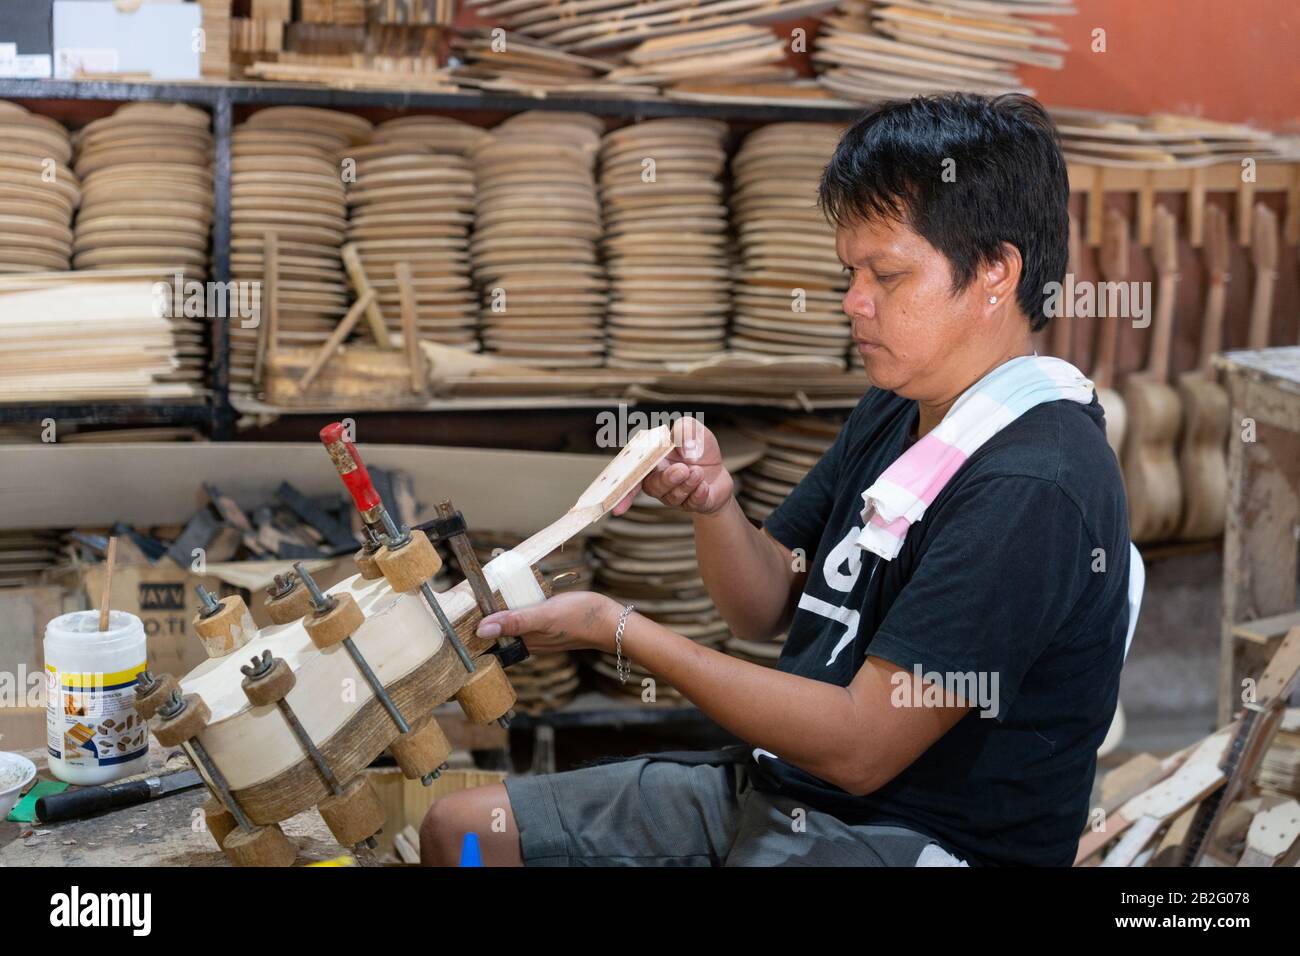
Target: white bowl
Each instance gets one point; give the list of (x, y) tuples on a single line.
[(9, 796)]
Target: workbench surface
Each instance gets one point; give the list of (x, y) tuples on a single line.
[(164, 832)]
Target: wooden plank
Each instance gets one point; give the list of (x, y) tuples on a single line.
[(1259, 551), (1266, 630)]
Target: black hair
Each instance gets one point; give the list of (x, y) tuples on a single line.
[(1009, 183)]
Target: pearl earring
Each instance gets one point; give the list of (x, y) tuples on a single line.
[(993, 298)]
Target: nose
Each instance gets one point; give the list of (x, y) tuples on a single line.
[(857, 303)]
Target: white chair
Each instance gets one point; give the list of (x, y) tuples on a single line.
[(1137, 580)]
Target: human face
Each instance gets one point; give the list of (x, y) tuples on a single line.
[(914, 335)]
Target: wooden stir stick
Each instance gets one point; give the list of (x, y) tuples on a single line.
[(107, 593)]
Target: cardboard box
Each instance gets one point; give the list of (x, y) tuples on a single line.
[(22, 728), (94, 36)]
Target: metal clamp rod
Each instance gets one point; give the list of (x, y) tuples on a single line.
[(376, 685), (447, 627), (218, 779)]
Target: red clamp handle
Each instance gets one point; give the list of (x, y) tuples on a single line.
[(351, 469)]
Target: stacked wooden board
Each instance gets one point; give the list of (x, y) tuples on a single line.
[(731, 55), (1280, 768), (869, 52), (409, 203), (537, 222), (588, 27), (96, 335), (790, 284), (287, 179), (38, 192), (146, 177), (25, 555), (498, 60), (666, 242), (1158, 141)]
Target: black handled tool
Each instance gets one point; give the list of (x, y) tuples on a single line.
[(82, 802)]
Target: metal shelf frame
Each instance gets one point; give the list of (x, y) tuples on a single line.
[(221, 98)]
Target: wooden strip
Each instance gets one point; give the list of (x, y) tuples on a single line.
[(414, 357), (361, 283), (336, 338), (266, 328), (1132, 842)]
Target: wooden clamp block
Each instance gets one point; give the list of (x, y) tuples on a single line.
[(228, 629), (487, 693)]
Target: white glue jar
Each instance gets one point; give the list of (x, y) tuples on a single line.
[(94, 734)]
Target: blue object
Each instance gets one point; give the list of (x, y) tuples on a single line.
[(469, 851)]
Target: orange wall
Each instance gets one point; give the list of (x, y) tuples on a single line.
[(1236, 61)]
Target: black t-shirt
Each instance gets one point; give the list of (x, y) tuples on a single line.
[(1018, 572)]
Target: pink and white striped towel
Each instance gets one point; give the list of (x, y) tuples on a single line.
[(899, 497)]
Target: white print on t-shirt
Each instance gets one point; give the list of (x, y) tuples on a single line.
[(847, 552)]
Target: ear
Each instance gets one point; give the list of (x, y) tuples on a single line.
[(1000, 278)]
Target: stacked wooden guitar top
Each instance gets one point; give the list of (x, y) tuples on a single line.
[(38, 192), (537, 222), (94, 335), (792, 447), (876, 51), (146, 175), (666, 241), (790, 284), (286, 180), (411, 203)]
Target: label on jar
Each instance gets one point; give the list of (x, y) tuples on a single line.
[(91, 719)]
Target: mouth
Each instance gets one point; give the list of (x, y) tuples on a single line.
[(864, 346)]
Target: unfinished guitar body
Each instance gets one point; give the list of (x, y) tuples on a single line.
[(254, 747), (1151, 475), (1201, 460)]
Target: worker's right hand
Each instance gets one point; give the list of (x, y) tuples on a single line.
[(692, 477)]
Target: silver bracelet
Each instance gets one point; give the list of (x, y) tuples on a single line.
[(624, 670)]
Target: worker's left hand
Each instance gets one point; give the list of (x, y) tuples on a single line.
[(571, 621)]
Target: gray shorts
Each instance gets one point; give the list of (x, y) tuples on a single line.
[(652, 811)]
